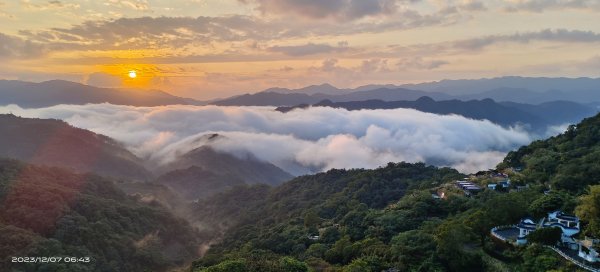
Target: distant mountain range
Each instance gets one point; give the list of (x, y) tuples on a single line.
[(504, 89), (269, 98), (54, 92), (532, 84), (538, 117), (538, 102)]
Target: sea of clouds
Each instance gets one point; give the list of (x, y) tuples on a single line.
[(300, 141)]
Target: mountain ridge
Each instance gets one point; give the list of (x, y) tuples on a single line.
[(56, 92), (56, 143), (532, 90), (204, 171), (539, 117)]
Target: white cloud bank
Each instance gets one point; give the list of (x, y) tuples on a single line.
[(314, 138)]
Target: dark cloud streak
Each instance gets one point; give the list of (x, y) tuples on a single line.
[(343, 10), (309, 49), (553, 35), (539, 6)]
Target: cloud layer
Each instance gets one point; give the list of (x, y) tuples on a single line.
[(300, 141), (338, 9)]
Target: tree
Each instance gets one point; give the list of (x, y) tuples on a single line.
[(330, 235), (316, 250), (289, 264), (342, 252), (480, 223), (227, 266), (545, 236), (545, 204), (451, 238), (537, 258), (589, 211), (364, 264), (412, 248), (311, 219), (506, 208)]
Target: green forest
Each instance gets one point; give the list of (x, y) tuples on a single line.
[(54, 212)]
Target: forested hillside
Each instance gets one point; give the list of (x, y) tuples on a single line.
[(569, 161), (56, 143), (55, 213), (388, 219), (203, 172)]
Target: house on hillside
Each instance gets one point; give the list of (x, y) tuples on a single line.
[(499, 175), (468, 187), (588, 249), (585, 250), (568, 224), (519, 188), (525, 226), (505, 183), (439, 194)]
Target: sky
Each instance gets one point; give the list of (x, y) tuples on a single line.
[(208, 49)]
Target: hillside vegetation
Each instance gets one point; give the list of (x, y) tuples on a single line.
[(56, 143), (568, 161), (387, 218), (54, 212)]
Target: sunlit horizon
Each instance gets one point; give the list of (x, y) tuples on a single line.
[(208, 49)]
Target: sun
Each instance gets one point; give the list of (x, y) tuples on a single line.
[(132, 74)]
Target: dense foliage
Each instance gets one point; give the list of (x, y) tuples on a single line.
[(360, 216), (411, 232), (53, 212), (589, 211), (566, 162)]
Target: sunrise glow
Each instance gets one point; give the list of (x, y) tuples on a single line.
[(238, 47)]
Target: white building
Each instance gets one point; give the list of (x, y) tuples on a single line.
[(568, 224), (588, 250), (526, 226)]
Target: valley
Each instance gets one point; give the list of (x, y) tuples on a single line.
[(235, 209)]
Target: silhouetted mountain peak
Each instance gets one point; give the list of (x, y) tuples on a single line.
[(425, 99), (325, 102), (204, 171)]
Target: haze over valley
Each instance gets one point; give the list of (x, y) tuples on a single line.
[(182, 154)]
